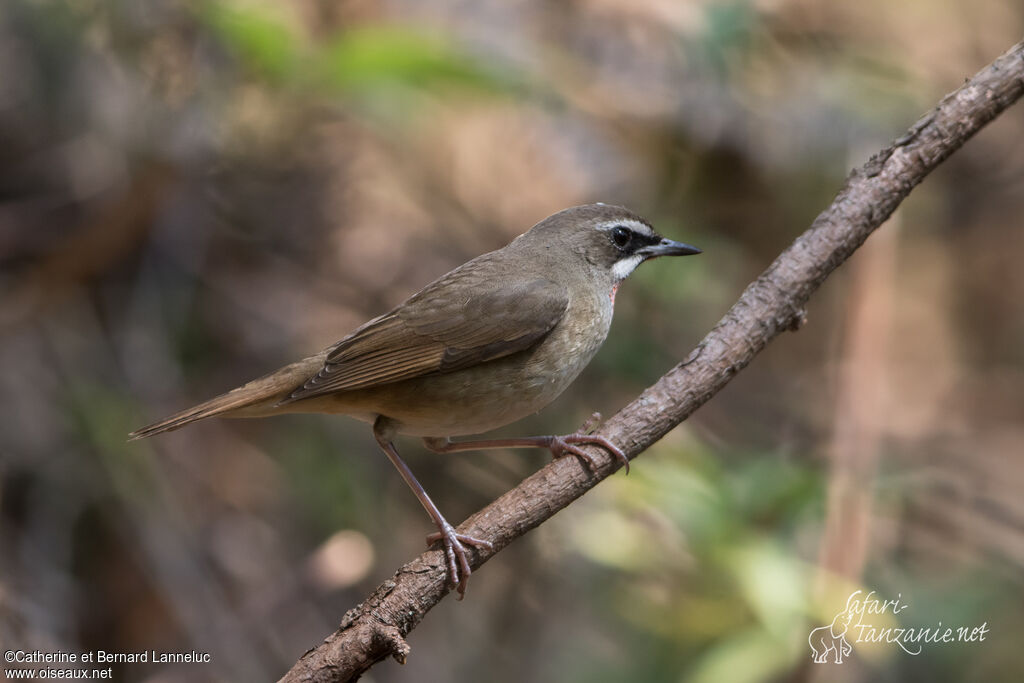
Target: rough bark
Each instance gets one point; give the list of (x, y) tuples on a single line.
[(772, 304)]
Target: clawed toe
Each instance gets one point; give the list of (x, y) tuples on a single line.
[(562, 446), (455, 554), (568, 448)]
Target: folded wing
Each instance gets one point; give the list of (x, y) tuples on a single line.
[(461, 320)]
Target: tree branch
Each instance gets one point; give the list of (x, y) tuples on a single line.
[(770, 305)]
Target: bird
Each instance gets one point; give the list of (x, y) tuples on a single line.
[(492, 341)]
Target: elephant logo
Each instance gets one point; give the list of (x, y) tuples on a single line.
[(832, 638)]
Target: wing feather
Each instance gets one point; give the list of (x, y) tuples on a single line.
[(436, 332)]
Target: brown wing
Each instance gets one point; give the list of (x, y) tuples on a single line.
[(435, 331)]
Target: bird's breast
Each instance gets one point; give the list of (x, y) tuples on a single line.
[(577, 337), (495, 393)]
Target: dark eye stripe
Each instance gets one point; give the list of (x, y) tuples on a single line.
[(644, 240), (629, 241)]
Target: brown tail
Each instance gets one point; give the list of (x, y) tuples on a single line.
[(256, 398)]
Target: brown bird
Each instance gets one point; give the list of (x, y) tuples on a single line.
[(491, 342)]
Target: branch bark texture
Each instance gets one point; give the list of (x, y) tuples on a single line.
[(770, 305)]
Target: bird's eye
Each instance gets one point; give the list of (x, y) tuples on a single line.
[(620, 236)]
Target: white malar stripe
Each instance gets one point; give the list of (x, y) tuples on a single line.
[(635, 226), (623, 267)]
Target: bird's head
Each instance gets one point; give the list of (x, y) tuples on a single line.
[(611, 239)]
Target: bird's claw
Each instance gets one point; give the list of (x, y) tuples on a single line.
[(562, 446), (455, 553)]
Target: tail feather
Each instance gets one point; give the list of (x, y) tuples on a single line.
[(224, 403), (255, 398)]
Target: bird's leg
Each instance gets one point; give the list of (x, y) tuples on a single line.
[(560, 446), (454, 550)]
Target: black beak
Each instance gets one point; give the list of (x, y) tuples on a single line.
[(668, 248)]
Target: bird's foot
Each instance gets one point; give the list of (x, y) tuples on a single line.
[(455, 552), (562, 446)]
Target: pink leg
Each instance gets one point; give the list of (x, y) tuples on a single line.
[(454, 550), (560, 446)]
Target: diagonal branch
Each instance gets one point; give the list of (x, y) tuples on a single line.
[(772, 304)]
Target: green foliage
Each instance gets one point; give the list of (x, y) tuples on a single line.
[(354, 62), (729, 30), (704, 562), (259, 38), (380, 56)]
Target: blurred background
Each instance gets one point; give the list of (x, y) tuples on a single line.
[(195, 192)]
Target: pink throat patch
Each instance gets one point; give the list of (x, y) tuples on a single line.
[(615, 288)]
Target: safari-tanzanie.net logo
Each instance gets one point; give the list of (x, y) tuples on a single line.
[(869, 619)]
